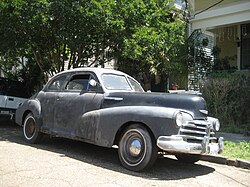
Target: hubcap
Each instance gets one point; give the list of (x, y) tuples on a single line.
[(135, 147), (29, 128)]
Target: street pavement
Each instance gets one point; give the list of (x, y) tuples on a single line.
[(62, 162)]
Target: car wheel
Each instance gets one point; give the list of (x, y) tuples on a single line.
[(137, 150), (188, 158), (31, 130)]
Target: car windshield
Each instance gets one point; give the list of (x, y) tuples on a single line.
[(119, 82)]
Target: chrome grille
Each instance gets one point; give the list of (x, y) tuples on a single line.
[(194, 131)]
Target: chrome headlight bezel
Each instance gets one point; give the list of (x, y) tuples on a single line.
[(182, 118), (216, 125), (215, 122)]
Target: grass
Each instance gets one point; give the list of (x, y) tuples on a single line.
[(240, 150)]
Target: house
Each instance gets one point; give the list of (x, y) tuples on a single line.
[(226, 25)]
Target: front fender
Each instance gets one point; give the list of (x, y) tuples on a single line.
[(108, 121), (32, 105)]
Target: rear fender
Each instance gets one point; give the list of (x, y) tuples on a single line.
[(28, 106)]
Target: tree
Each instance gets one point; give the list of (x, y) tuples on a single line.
[(54, 32), (154, 34), (59, 34)]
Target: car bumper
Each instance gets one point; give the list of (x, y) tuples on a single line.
[(176, 144), (7, 114)]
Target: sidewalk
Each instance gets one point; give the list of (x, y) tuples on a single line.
[(228, 161), (233, 137)]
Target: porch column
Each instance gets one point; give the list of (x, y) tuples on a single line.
[(238, 45)]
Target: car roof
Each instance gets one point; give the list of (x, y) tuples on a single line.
[(97, 71)]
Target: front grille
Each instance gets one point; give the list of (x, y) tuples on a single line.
[(194, 131)]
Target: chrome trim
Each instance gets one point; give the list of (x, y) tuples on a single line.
[(191, 137), (135, 147), (114, 98), (196, 130), (193, 131), (195, 126), (176, 144), (204, 112), (196, 136)]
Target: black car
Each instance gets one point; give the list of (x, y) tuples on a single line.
[(108, 107)]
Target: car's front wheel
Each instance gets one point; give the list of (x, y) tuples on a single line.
[(137, 150), (31, 130)]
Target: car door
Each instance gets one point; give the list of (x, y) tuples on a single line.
[(47, 98), (14, 102), (76, 99), (16, 94)]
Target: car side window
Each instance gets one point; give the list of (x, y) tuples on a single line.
[(78, 83), (57, 83)]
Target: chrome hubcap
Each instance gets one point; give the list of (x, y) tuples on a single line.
[(135, 148)]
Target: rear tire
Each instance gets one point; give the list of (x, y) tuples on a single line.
[(188, 158), (137, 150), (31, 130)]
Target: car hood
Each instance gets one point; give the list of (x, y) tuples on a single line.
[(193, 103)]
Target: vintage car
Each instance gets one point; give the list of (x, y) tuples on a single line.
[(110, 108)]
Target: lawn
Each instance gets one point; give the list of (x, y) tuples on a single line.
[(240, 150)]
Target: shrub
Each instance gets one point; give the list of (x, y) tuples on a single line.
[(228, 98)]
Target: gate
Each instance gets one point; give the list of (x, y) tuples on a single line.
[(200, 58)]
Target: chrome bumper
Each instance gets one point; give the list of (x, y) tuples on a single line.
[(176, 144)]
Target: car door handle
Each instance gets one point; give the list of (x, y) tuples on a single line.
[(58, 98), (11, 99)]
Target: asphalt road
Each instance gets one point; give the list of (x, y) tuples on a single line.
[(61, 162)]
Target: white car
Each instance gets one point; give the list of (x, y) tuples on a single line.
[(12, 95)]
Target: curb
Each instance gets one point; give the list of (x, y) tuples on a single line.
[(226, 161)]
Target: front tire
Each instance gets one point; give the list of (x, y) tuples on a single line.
[(137, 150), (31, 129)]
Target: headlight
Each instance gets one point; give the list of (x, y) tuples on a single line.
[(216, 125), (215, 122), (182, 118)]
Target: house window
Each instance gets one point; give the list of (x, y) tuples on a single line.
[(245, 46)]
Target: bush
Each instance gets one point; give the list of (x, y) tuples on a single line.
[(228, 97)]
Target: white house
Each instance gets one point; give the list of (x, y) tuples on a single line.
[(228, 21)]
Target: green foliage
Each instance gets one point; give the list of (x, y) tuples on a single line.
[(228, 97), (84, 33), (238, 129), (55, 31), (235, 150), (153, 41)]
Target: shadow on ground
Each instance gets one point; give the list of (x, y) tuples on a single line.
[(164, 168)]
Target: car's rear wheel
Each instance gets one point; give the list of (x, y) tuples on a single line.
[(188, 158), (31, 130), (137, 150)]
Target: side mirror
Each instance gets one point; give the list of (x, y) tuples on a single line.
[(93, 83)]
